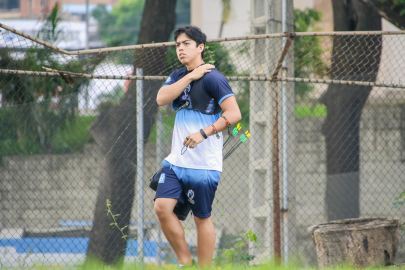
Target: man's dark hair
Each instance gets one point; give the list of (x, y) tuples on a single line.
[(192, 32)]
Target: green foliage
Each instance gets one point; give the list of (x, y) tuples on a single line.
[(40, 108), (226, 10), (167, 125), (210, 54), (217, 54), (307, 51), (238, 254), (67, 139), (400, 200), (122, 25), (214, 53), (73, 136), (114, 224), (243, 99), (49, 31)]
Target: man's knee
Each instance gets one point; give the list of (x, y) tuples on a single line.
[(202, 221), (164, 206)]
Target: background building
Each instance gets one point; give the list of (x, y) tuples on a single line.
[(34, 9)]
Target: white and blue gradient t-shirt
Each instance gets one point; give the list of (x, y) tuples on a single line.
[(208, 154)]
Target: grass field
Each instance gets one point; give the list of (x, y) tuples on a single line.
[(310, 111), (132, 266)]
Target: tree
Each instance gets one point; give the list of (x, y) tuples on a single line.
[(111, 133), (391, 10), (345, 103), (27, 99)]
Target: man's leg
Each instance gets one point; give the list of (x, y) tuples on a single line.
[(172, 229), (205, 241)]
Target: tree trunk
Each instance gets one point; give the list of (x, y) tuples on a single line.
[(158, 21), (114, 130), (353, 58), (387, 10), (357, 242)]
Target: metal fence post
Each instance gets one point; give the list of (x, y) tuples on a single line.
[(139, 156)]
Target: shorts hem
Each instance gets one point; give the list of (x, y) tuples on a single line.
[(164, 197), (202, 215)]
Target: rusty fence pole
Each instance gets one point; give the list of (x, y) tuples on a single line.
[(276, 178), (276, 161)]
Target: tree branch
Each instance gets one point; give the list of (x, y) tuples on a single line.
[(387, 12)]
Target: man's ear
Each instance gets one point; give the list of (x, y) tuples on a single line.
[(201, 47)]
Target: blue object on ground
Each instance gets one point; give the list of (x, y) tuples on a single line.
[(78, 223), (76, 245)]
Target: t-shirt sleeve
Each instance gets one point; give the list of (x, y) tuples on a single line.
[(172, 79), (217, 86)]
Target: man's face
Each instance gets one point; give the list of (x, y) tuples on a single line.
[(187, 49)]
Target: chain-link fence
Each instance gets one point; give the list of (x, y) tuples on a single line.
[(325, 113)]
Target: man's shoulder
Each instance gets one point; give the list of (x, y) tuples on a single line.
[(176, 75), (213, 77), (179, 72), (214, 74)]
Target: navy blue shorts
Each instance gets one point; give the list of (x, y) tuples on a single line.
[(190, 186)]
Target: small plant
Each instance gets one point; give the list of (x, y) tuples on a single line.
[(23, 263), (400, 200), (115, 224), (238, 253)]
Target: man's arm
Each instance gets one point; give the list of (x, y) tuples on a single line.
[(231, 112), (169, 93)]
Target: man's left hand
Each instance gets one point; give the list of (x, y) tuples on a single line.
[(192, 140)]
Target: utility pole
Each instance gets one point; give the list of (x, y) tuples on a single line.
[(86, 95), (87, 25)]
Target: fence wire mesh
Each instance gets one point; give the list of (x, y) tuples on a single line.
[(78, 128)]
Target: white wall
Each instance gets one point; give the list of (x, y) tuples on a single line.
[(303, 4), (207, 14)]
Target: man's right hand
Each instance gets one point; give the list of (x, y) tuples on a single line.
[(200, 71)]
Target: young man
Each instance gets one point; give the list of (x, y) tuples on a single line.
[(192, 170)]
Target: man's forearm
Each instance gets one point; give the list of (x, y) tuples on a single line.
[(221, 125), (169, 93)]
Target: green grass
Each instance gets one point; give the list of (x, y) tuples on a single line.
[(310, 111)]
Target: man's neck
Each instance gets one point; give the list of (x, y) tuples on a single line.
[(194, 64)]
